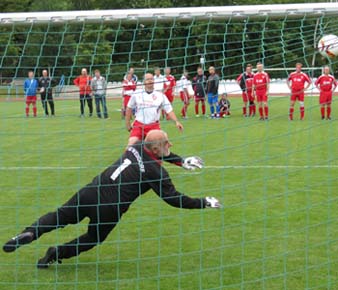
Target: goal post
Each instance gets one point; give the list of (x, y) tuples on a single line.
[(276, 179)]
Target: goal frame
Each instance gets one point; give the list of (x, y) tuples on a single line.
[(163, 14)]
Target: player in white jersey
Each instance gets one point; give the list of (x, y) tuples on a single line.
[(148, 104), (184, 93), (159, 80)]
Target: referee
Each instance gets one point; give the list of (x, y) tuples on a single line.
[(109, 196)]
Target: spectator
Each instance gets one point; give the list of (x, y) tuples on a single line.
[(46, 93), (99, 88), (212, 90), (30, 87), (132, 72), (129, 86), (199, 85), (184, 93), (169, 85), (159, 80), (83, 82), (224, 106)]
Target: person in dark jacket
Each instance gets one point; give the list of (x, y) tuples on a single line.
[(109, 196), (199, 84), (46, 93)]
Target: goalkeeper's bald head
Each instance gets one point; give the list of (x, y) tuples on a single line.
[(158, 143)]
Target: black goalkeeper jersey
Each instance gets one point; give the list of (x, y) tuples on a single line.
[(136, 172)]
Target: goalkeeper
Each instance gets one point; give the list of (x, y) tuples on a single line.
[(109, 196)]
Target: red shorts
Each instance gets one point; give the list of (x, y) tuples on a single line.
[(199, 98), (247, 97), (184, 97), (170, 96), (325, 98), (297, 96), (126, 99), (30, 100), (141, 130), (261, 96)]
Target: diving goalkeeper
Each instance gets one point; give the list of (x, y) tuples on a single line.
[(109, 196)]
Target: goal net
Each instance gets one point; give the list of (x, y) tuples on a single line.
[(276, 180)]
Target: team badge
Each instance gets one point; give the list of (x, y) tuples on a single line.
[(154, 97)]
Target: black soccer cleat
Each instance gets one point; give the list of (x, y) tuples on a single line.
[(49, 258), (18, 241)]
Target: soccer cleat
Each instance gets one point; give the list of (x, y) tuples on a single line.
[(261, 119), (266, 118), (197, 116), (323, 118), (328, 118), (18, 241), (49, 258)]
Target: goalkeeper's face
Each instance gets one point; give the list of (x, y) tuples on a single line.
[(164, 149)]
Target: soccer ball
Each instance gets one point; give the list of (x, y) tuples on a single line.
[(328, 46)]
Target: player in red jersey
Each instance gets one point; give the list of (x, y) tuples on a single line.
[(326, 84), (245, 81), (169, 85), (129, 86), (260, 90), (296, 83)]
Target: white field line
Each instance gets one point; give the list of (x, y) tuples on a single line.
[(14, 168)]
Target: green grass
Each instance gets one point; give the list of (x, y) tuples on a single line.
[(277, 230)]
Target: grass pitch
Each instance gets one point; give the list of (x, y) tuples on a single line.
[(276, 179)]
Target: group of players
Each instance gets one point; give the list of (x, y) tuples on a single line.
[(256, 87)]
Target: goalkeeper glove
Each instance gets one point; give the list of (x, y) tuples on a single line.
[(193, 162), (212, 202)]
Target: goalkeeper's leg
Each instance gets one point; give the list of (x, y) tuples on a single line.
[(69, 213), (102, 222)]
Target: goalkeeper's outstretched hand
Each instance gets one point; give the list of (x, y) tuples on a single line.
[(212, 202), (193, 162)]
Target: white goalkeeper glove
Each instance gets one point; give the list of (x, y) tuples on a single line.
[(193, 162), (212, 202)]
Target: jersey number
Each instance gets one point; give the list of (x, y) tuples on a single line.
[(126, 162)]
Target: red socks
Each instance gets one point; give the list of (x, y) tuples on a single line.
[(244, 110), (328, 112), (266, 111), (291, 113), (196, 108), (260, 109), (302, 112), (203, 108), (322, 111), (27, 111), (184, 111)]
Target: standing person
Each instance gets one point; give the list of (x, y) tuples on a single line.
[(108, 197), (46, 93), (99, 88), (169, 85), (184, 93), (245, 81), (260, 90), (159, 80), (326, 84), (199, 84), (296, 83), (132, 72), (129, 86), (30, 87), (148, 104), (212, 90), (83, 82)]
